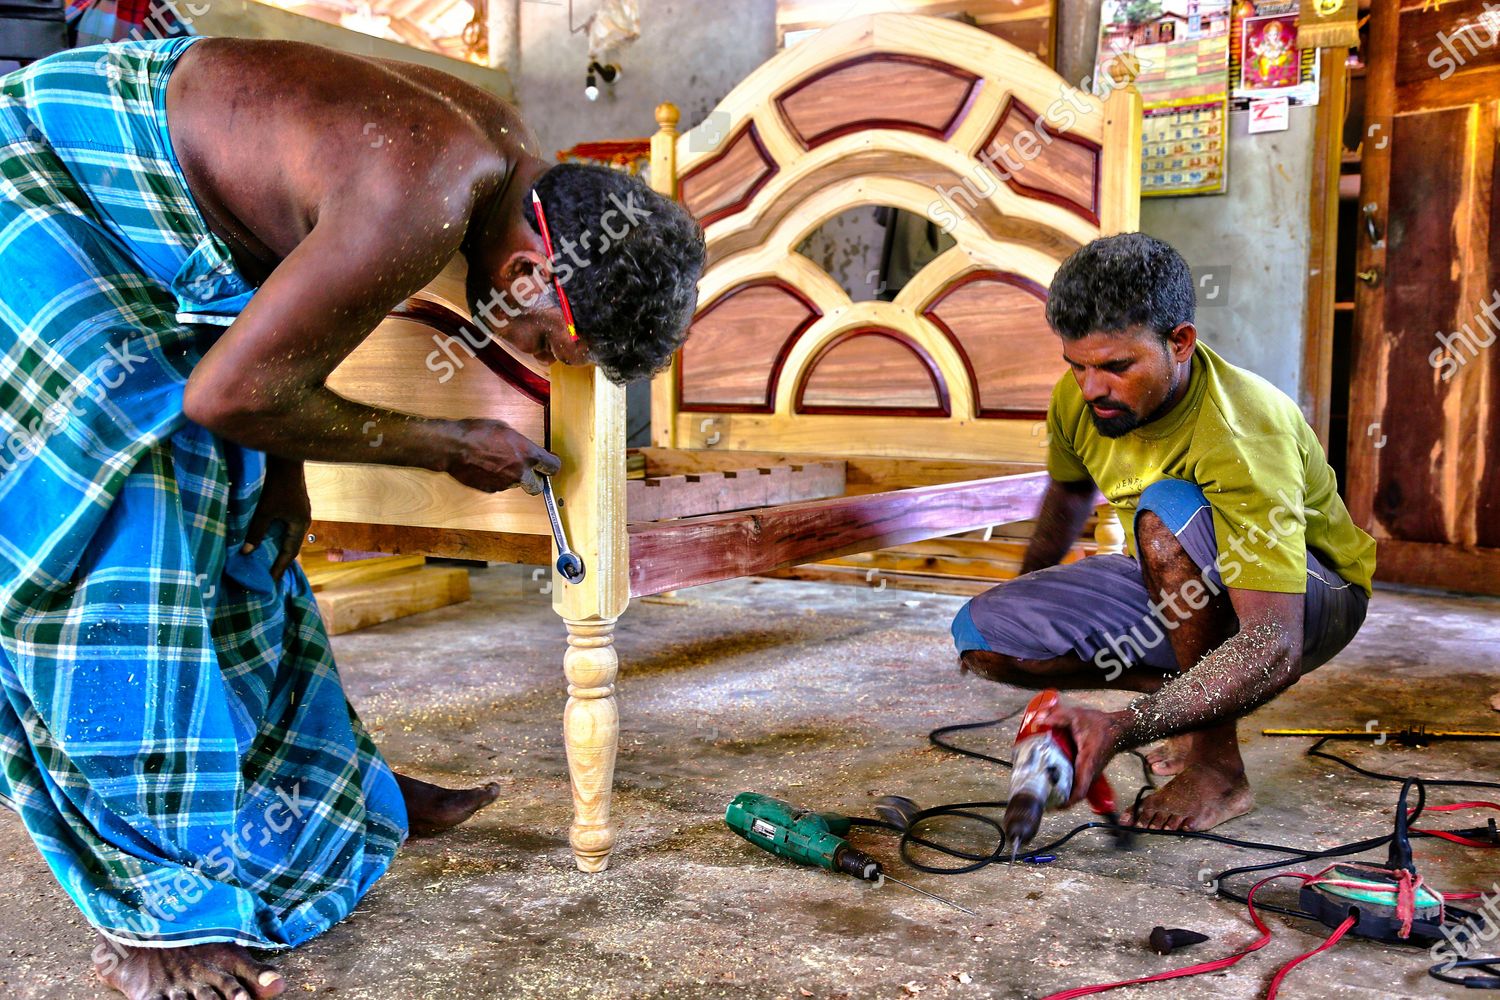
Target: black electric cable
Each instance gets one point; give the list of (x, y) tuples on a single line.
[(1316, 750), (1489, 982), (910, 838)]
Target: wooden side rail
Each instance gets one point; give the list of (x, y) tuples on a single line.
[(667, 555), (446, 543)]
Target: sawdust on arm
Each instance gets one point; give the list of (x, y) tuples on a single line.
[(1254, 665)]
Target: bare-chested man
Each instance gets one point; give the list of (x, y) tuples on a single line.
[(193, 234)]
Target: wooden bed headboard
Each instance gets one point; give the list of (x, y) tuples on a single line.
[(904, 111)]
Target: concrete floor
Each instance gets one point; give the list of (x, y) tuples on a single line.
[(822, 695)]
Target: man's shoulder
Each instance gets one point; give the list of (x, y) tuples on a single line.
[(1247, 404)]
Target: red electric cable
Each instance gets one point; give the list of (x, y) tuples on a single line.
[(1333, 939), (1193, 970)]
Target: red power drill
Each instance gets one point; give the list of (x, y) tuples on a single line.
[(1041, 776)]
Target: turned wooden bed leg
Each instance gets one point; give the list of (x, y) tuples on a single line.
[(1109, 534), (588, 435), (591, 732)]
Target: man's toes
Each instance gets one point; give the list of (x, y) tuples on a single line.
[(206, 991), (1156, 819), (258, 979)]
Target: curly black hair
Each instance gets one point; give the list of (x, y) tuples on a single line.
[(629, 261), (1117, 282)]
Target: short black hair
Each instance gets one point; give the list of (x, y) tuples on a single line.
[(1117, 282), (629, 260)]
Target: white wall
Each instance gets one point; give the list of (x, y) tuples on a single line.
[(1252, 244), (690, 52)]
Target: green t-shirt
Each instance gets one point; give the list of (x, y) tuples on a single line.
[(1248, 448)]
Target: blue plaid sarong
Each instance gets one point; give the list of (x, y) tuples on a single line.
[(173, 733)]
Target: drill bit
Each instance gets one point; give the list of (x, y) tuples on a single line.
[(891, 878)]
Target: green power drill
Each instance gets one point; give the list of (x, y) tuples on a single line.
[(808, 838)]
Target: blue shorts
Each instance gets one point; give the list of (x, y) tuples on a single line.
[(1098, 609)]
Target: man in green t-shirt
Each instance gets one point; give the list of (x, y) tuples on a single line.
[(1246, 570)]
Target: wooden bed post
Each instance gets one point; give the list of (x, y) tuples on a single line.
[(664, 181), (588, 422), (1109, 534), (1121, 169)]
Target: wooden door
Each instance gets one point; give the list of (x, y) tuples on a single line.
[(1424, 427)]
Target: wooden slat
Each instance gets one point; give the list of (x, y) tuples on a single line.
[(886, 561), (823, 573), (489, 546), (696, 493), (863, 473), (998, 549), (667, 555)]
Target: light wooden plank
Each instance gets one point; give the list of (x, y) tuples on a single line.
[(695, 493), (322, 574), (345, 609), (893, 437), (365, 494), (863, 473)]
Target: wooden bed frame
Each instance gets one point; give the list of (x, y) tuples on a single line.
[(929, 406)]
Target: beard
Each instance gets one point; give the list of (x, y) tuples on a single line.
[(1116, 426), (1128, 420)]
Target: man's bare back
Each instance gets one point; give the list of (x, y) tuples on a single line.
[(274, 135)]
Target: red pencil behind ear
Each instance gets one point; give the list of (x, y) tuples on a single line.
[(562, 297)]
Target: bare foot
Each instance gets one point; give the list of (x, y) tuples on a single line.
[(1200, 798), (432, 809), (192, 973), (1169, 756), (1209, 789)]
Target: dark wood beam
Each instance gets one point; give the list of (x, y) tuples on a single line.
[(667, 555)]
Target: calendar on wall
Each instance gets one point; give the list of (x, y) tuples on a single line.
[(1178, 55)]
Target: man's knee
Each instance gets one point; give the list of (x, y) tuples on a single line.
[(1165, 508), (1157, 547), (1003, 668)]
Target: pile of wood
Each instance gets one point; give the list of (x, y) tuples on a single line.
[(355, 590)]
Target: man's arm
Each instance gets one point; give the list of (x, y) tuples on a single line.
[(263, 383), (1065, 508), (1254, 665)]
